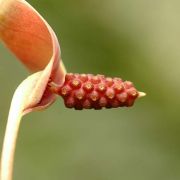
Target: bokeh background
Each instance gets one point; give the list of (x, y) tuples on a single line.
[(138, 40)]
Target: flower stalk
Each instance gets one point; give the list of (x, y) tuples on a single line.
[(9, 145)]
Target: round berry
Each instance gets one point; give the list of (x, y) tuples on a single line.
[(69, 102), (122, 97), (87, 104), (103, 102), (88, 86), (76, 83), (101, 87), (110, 93), (65, 90), (94, 96), (79, 94)]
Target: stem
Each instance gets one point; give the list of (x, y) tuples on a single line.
[(9, 144)]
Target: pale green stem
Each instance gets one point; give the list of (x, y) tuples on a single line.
[(9, 146)]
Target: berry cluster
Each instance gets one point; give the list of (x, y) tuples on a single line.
[(96, 91)]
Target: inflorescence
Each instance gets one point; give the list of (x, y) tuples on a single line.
[(81, 91)]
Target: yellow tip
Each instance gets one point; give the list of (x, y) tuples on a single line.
[(141, 94)]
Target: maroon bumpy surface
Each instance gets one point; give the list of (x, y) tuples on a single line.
[(96, 91)]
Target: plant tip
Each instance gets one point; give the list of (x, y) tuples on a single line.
[(141, 94)]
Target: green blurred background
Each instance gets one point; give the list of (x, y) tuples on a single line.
[(138, 40)]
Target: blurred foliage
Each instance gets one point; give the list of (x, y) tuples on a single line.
[(138, 40)]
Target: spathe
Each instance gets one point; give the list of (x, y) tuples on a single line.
[(34, 43)]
